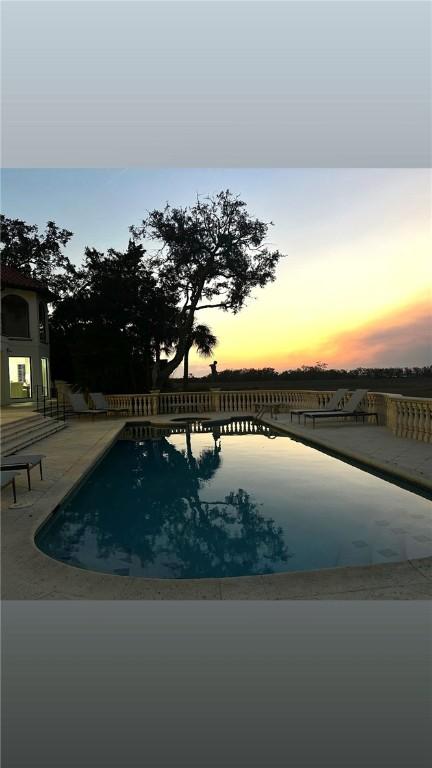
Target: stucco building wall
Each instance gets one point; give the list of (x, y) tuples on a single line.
[(27, 347)]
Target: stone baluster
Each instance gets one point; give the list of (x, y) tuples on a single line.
[(155, 395), (421, 417), (391, 414), (423, 436), (215, 399), (409, 420), (427, 431), (416, 418), (402, 418)]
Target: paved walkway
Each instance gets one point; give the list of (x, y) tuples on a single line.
[(29, 574)]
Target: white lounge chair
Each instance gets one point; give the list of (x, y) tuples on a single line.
[(23, 461), (100, 402), (351, 409), (331, 405), (80, 407)]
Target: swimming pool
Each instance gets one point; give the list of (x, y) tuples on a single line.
[(190, 505)]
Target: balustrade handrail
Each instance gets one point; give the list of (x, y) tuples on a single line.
[(405, 398), (220, 391)]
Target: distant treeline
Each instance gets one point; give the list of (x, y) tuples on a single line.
[(320, 370)]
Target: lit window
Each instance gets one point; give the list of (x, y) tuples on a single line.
[(20, 378)]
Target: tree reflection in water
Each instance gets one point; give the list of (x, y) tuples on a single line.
[(144, 505)]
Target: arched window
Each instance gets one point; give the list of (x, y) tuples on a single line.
[(15, 316), (42, 321)]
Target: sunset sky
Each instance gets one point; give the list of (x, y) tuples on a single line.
[(354, 289)]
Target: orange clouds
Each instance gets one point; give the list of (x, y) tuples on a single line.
[(402, 337)]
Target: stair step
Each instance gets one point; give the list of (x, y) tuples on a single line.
[(10, 426), (13, 427), (28, 426), (22, 441), (36, 427), (26, 442)]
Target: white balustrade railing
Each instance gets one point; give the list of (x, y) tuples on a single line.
[(411, 417), (404, 416), (138, 405), (185, 402)]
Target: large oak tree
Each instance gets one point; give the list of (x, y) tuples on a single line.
[(109, 330), (38, 254), (214, 254)]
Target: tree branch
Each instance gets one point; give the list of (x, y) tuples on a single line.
[(211, 306)]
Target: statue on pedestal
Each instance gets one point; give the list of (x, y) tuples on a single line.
[(214, 372)]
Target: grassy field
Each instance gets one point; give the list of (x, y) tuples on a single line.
[(420, 386)]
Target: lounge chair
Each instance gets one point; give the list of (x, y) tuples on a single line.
[(80, 407), (8, 478), (351, 410), (331, 405), (100, 402), (23, 461)]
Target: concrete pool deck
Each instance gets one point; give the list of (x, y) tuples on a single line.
[(70, 454)]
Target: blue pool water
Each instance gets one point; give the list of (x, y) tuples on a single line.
[(200, 505)]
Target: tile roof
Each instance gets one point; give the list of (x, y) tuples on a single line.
[(14, 279)]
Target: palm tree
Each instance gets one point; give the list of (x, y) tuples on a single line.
[(204, 341)]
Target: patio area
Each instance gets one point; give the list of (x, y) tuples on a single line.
[(70, 454)]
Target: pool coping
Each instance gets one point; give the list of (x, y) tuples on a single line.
[(38, 576)]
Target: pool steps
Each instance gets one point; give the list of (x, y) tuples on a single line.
[(17, 435)]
